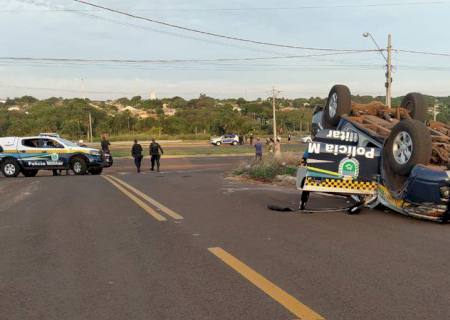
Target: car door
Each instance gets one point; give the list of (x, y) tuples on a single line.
[(31, 154), (56, 157), (227, 139)]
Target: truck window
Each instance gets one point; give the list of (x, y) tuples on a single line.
[(30, 143), (54, 144)]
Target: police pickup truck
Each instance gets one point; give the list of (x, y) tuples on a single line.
[(28, 155)]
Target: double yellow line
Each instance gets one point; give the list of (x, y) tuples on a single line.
[(141, 198), (289, 302)]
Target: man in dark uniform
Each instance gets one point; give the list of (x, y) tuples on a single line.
[(136, 152), (155, 148), (105, 144)]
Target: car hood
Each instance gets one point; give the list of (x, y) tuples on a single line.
[(84, 149)]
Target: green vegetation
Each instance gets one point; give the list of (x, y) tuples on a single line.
[(270, 167), (126, 119), (124, 151)]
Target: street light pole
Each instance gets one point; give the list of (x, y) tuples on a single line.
[(389, 72), (388, 59)]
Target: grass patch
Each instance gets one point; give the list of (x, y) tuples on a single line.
[(180, 150), (270, 167)]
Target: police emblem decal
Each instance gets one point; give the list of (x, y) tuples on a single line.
[(349, 168)]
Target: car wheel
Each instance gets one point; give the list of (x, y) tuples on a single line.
[(234, 143), (29, 172), (10, 168), (408, 144), (218, 143), (338, 104), (415, 104), (95, 171), (78, 166)]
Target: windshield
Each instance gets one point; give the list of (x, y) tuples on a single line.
[(68, 143)]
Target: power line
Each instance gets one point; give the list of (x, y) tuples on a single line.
[(424, 52), (368, 5), (146, 61), (216, 34)]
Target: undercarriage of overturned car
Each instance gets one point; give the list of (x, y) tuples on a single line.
[(377, 155)]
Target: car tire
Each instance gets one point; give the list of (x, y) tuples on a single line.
[(218, 143), (408, 144), (339, 103), (95, 171), (234, 143), (415, 104), (10, 168), (78, 166), (29, 173)]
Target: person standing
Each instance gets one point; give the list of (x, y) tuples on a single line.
[(105, 144), (155, 148), (258, 150), (136, 153), (289, 137), (271, 145), (251, 138)]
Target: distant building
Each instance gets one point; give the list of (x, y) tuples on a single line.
[(286, 109), (169, 112), (152, 95), (14, 108), (141, 114), (237, 108)]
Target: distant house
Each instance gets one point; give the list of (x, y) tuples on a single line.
[(141, 114), (169, 112), (286, 109), (237, 108), (14, 108)]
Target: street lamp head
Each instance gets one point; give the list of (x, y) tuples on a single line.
[(365, 34)]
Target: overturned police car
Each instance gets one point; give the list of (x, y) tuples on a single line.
[(379, 155), (29, 155)]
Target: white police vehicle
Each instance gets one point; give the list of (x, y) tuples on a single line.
[(28, 155), (232, 139)]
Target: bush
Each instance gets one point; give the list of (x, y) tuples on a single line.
[(269, 167)]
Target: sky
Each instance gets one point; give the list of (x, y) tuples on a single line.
[(67, 29)]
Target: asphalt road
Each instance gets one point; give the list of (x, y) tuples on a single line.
[(92, 248)]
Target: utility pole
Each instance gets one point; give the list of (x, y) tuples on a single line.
[(277, 146), (435, 110), (274, 96), (90, 127), (388, 59), (389, 72)]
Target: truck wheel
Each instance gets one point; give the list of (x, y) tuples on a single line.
[(78, 166), (10, 168), (29, 172), (95, 171), (415, 104), (408, 144), (339, 103)]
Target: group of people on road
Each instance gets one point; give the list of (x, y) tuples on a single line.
[(243, 139), (155, 151)]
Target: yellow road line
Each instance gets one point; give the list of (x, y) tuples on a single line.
[(157, 204), (289, 302), (138, 201)]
